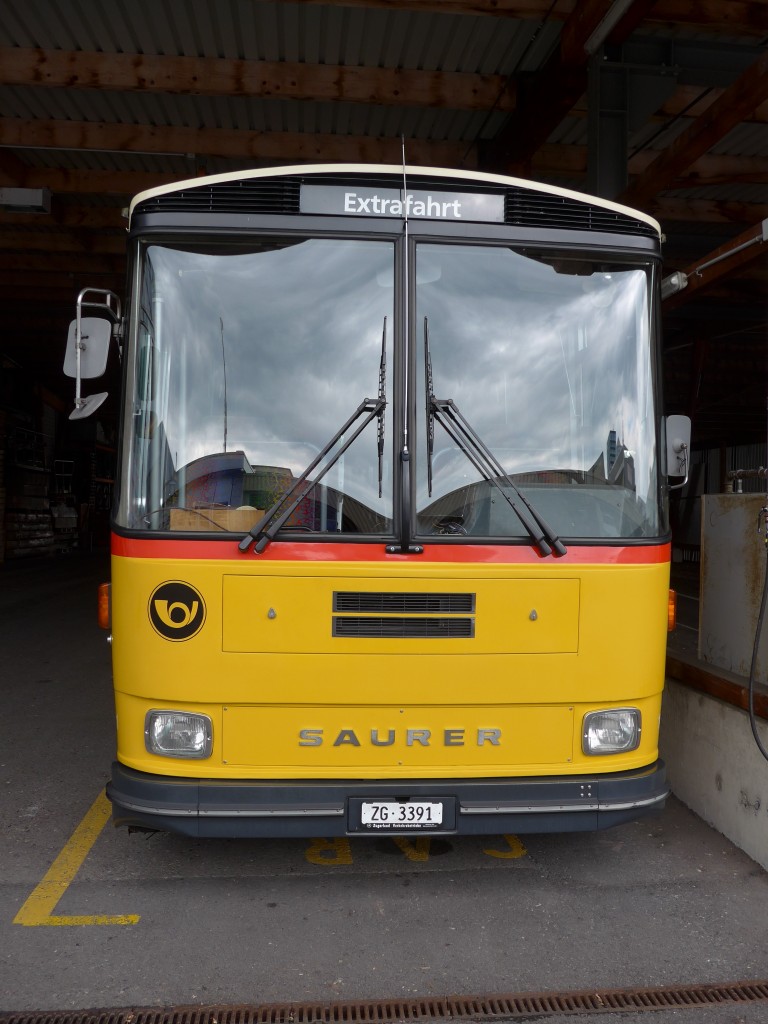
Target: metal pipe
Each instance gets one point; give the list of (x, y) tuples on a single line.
[(737, 475)]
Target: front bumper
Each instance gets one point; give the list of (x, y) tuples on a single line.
[(323, 807)]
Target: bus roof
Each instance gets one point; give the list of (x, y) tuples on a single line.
[(395, 169)]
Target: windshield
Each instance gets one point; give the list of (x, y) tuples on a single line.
[(258, 370), (247, 363), (550, 362)]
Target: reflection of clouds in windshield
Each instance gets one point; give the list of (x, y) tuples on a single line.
[(299, 329), (543, 365)]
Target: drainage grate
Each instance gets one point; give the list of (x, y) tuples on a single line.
[(477, 1008)]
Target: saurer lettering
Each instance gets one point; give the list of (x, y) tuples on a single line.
[(389, 737)]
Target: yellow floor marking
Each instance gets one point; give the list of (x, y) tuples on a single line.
[(516, 849), (328, 851), (414, 849), (39, 907)]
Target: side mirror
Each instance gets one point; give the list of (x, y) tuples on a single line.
[(88, 348), (94, 347), (678, 431)]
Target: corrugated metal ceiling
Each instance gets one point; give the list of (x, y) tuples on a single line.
[(499, 86)]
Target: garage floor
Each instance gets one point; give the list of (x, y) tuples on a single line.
[(94, 917)]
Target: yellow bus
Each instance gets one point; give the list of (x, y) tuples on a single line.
[(390, 545)]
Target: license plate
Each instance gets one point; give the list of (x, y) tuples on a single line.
[(396, 815)]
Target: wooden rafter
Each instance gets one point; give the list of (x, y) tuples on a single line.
[(748, 16), (71, 216), (692, 100), (707, 211), (687, 101), (205, 76), (62, 241), (554, 161), (256, 146), (44, 264), (13, 171), (549, 163), (749, 246), (558, 86), (736, 102)]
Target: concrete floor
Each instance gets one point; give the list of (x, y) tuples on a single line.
[(109, 919)]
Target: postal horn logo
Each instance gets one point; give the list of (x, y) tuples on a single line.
[(176, 610)]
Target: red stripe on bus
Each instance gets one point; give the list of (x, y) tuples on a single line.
[(290, 551)]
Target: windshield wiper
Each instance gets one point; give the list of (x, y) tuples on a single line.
[(450, 418), (383, 400), (273, 520)]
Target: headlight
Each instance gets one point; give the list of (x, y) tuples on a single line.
[(178, 734), (611, 732)]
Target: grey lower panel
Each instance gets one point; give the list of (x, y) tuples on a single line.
[(315, 808)]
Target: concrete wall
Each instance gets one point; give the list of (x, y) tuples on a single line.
[(715, 767)]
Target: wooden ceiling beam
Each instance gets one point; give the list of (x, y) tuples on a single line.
[(692, 100), (742, 16), (49, 292), (56, 263), (88, 182), (69, 216), (736, 102), (549, 95), (47, 283), (738, 17), (207, 76), (523, 9), (551, 162), (58, 242), (11, 167), (260, 146), (557, 161), (686, 103), (707, 211), (749, 246), (41, 322), (13, 171)]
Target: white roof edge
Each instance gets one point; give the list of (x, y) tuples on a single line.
[(440, 172)]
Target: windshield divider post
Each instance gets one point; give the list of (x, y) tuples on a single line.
[(405, 547)]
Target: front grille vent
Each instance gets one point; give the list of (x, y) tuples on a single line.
[(242, 195), (392, 628), (523, 207), (403, 604)]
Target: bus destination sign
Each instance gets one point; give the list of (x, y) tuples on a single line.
[(359, 201)]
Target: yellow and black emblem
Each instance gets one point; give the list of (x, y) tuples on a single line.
[(176, 610)]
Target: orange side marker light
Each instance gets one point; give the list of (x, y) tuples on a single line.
[(672, 611), (105, 605)]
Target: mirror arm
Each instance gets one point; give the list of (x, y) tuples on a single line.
[(682, 448), (110, 302)]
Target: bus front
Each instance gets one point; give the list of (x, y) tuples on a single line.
[(390, 551)]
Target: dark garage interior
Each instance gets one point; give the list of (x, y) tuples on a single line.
[(660, 105)]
